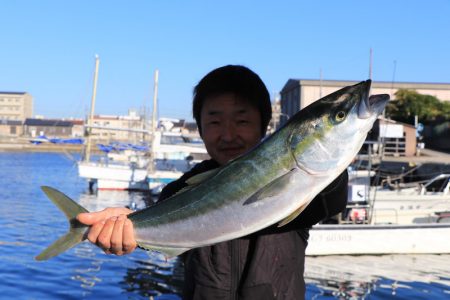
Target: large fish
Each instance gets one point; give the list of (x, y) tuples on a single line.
[(273, 183)]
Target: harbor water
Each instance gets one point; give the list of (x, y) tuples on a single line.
[(29, 222)]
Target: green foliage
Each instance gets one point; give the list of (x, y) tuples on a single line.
[(409, 103)]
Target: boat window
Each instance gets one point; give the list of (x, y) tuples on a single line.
[(171, 139)]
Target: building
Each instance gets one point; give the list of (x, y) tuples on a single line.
[(118, 128), (398, 139), (16, 106), (77, 128), (298, 93), (49, 128), (133, 128), (276, 116), (10, 128)]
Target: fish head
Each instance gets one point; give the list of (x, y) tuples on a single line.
[(327, 135)]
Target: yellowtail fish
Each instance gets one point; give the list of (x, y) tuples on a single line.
[(271, 184)]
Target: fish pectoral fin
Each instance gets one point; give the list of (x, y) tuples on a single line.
[(272, 189), (168, 252), (199, 178), (293, 215)]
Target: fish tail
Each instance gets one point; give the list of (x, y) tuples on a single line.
[(77, 230)]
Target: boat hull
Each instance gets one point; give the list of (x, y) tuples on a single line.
[(124, 177), (379, 239)]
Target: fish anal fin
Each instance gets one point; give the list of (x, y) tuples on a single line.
[(168, 252), (293, 215), (272, 189)]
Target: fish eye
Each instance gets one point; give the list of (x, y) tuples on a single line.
[(340, 116)]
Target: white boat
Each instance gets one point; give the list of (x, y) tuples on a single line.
[(174, 145), (110, 176), (138, 172), (396, 223), (130, 170), (167, 145), (412, 205)]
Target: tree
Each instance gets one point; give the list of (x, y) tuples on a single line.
[(409, 103)]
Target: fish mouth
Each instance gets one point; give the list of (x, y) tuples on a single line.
[(374, 104), (377, 103)]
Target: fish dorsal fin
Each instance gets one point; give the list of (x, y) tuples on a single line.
[(199, 178), (185, 189), (273, 188), (293, 215), (196, 180)]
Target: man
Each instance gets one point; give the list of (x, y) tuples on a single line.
[(232, 109)]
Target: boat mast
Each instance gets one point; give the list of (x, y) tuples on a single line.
[(320, 89), (87, 155), (155, 100)]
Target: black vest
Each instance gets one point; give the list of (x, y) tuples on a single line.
[(268, 264)]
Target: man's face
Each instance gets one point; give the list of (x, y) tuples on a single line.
[(230, 127)]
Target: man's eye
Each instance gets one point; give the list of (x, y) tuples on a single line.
[(243, 122)]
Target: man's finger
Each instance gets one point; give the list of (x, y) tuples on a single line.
[(128, 241), (93, 217), (116, 236), (104, 238), (94, 231)]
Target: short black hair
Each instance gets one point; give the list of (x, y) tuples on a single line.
[(238, 80)]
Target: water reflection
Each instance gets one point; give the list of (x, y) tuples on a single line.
[(86, 273), (356, 277), (155, 277), (146, 274)]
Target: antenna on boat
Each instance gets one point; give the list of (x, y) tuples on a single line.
[(87, 154)]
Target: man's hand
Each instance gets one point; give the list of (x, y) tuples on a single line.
[(110, 229)]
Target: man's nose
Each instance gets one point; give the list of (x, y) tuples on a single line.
[(228, 132)]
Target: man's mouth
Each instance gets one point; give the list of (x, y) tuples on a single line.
[(231, 150)]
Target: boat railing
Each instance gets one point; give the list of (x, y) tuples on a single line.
[(376, 212), (445, 185)]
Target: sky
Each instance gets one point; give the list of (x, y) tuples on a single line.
[(48, 47)]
